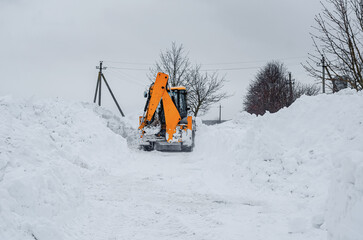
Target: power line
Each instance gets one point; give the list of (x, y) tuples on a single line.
[(205, 70), (210, 69), (135, 78), (220, 63), (124, 74), (229, 69), (127, 68), (238, 68), (121, 76), (130, 63), (255, 61)]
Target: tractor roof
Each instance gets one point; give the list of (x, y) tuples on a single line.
[(178, 88)]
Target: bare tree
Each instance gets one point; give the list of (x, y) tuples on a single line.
[(338, 37), (174, 62), (270, 91), (204, 89), (305, 89)]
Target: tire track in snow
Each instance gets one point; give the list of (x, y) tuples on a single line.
[(156, 199)]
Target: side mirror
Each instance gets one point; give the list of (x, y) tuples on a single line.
[(145, 94)]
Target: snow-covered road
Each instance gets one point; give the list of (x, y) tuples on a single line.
[(161, 196), (171, 196)]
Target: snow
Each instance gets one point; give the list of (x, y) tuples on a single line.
[(72, 170)]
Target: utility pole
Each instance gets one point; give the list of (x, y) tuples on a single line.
[(220, 113), (290, 89), (98, 88), (99, 83), (323, 66)]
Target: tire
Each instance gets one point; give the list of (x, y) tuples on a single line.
[(189, 148), (193, 137), (149, 147)]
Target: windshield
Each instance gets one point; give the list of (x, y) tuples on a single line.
[(182, 103)]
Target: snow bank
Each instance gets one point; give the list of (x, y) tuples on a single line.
[(46, 149), (296, 152), (333, 127), (345, 204)]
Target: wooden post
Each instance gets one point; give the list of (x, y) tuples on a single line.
[(113, 97), (220, 113), (98, 82), (98, 88), (323, 66), (290, 88)]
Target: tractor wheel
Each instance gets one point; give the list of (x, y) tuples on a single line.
[(149, 147)]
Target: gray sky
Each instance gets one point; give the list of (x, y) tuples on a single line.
[(50, 48)]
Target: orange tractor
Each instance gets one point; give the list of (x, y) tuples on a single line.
[(165, 124)]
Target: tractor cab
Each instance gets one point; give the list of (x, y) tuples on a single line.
[(179, 97)]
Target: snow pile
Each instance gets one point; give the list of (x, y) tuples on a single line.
[(126, 127), (345, 204), (46, 149), (291, 157)]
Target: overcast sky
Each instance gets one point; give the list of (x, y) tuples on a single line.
[(50, 48)]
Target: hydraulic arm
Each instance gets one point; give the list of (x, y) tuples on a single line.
[(162, 111)]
